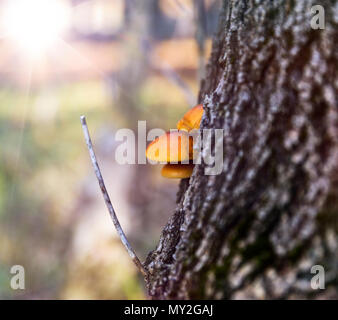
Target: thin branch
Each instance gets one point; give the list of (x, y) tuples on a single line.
[(167, 71), (104, 191), (175, 78)]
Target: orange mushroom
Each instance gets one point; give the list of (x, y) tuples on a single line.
[(177, 146), (171, 147), (192, 119), (177, 171)]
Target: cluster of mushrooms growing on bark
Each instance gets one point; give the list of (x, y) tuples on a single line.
[(177, 146)]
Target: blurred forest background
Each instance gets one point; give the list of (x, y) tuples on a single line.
[(115, 61)]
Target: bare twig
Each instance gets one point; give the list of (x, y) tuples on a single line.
[(104, 191)]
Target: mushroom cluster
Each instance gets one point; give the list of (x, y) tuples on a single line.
[(177, 146)]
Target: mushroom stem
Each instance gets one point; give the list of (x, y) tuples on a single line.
[(109, 205)]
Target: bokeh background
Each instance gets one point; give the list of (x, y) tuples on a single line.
[(115, 61)]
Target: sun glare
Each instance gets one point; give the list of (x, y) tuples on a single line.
[(35, 25)]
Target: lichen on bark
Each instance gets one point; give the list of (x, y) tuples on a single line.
[(255, 230)]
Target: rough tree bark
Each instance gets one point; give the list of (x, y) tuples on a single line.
[(256, 230)]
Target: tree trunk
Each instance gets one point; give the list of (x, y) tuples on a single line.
[(256, 229)]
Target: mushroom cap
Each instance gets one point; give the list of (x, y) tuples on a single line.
[(174, 146), (192, 119), (177, 171)]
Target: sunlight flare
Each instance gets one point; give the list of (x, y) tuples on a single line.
[(35, 25)]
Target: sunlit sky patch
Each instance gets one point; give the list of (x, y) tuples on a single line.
[(35, 25)]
